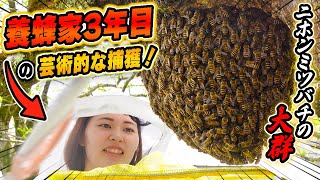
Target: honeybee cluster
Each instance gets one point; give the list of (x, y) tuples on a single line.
[(218, 77), (316, 102)]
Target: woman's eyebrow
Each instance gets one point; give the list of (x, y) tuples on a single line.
[(129, 122), (106, 118)]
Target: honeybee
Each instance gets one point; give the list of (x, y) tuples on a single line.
[(176, 86), (246, 51), (173, 24), (205, 57), (214, 32), (223, 88), (268, 63), (179, 101), (273, 64), (224, 122), (242, 75), (203, 31), (276, 93), (226, 100), (212, 121), (258, 27), (171, 88), (179, 23), (251, 29), (233, 66), (217, 56), (192, 127), (187, 90), (242, 21), (233, 84), (186, 30), (252, 121), (220, 110), (199, 97), (247, 154), (247, 88), (199, 75), (191, 82), (272, 53), (233, 138), (161, 83), (192, 37), (243, 35), (218, 73), (179, 79), (183, 47), (211, 19), (270, 32), (237, 130), (240, 96), (247, 143), (284, 83), (234, 38), (263, 101), (224, 13), (252, 64), (207, 44), (270, 79), (236, 52), (199, 47), (256, 106), (206, 143), (230, 111), (195, 18), (163, 26), (255, 42), (212, 83), (257, 56), (225, 46), (194, 59), (177, 61), (211, 67), (255, 83), (221, 131), (224, 27), (217, 40)]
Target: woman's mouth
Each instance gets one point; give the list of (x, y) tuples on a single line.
[(113, 150)]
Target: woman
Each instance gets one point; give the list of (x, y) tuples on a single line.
[(103, 135), (104, 140)]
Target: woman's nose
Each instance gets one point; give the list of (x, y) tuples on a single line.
[(116, 136)]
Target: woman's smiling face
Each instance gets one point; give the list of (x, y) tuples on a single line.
[(110, 139)]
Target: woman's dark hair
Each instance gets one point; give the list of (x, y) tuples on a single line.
[(74, 153)]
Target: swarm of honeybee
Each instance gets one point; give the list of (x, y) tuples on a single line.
[(316, 102), (219, 75)]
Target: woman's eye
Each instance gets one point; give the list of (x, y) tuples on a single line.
[(128, 130), (105, 125)]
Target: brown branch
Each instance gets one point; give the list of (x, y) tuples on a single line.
[(92, 89), (8, 140), (44, 96), (128, 81), (139, 95), (120, 78)]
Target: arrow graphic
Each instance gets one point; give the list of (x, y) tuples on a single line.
[(31, 108)]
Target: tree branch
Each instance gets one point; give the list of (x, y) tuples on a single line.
[(120, 78), (128, 81), (92, 89), (139, 95), (8, 140), (44, 96)]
